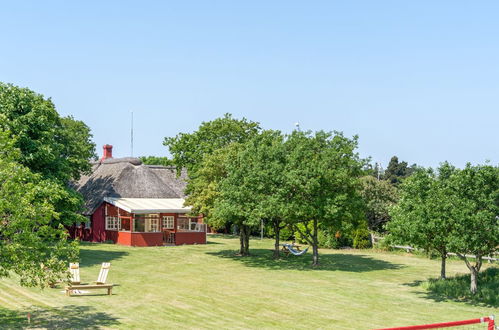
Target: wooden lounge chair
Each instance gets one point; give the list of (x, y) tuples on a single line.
[(103, 273), (74, 270), (99, 284)]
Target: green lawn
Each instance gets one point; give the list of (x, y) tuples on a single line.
[(207, 286)]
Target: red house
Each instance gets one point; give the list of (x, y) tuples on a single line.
[(134, 204)]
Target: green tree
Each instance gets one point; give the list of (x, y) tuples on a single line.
[(422, 216), (397, 171), (31, 245), (379, 196), (252, 189), (203, 153), (475, 211), (57, 148), (322, 181), (189, 149), (153, 160)]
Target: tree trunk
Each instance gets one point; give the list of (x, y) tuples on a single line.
[(242, 240), (277, 230), (442, 267), (246, 245), (315, 245), (474, 280), (473, 271)]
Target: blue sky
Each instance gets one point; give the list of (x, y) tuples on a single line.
[(416, 79)]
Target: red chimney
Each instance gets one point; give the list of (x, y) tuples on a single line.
[(107, 151)]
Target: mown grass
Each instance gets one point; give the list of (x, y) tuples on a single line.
[(208, 286)]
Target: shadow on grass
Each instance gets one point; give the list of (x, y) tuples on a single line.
[(262, 258), (67, 317), (97, 257), (458, 289)]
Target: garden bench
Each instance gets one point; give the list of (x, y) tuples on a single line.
[(71, 288)]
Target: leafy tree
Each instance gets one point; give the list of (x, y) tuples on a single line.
[(30, 244), (57, 148), (322, 180), (379, 196), (475, 211), (397, 171), (203, 154), (422, 216), (203, 185), (189, 149), (252, 189), (153, 160)]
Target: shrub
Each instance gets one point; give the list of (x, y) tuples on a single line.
[(458, 288), (361, 238)]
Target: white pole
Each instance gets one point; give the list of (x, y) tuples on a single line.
[(131, 136)]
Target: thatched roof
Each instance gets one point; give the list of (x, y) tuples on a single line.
[(128, 178)]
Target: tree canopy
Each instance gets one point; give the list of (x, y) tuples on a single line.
[(189, 149), (397, 171), (31, 244), (475, 211), (322, 181), (57, 148), (422, 217), (452, 210), (153, 160), (251, 190), (379, 196)]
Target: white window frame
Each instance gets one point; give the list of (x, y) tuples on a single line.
[(113, 223), (153, 224), (168, 222)]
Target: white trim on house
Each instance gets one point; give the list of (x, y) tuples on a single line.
[(149, 205)]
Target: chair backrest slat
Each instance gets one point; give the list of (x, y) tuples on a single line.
[(74, 270), (103, 272)]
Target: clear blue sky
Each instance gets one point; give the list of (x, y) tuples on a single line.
[(416, 79)]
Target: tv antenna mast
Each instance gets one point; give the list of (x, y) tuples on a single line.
[(131, 135)]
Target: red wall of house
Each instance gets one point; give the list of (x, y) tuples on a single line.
[(98, 225), (147, 239), (190, 238), (100, 234)]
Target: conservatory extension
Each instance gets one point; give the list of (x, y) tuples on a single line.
[(148, 222)]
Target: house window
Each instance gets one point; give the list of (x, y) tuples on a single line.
[(113, 223), (168, 222), (153, 224), (146, 223)]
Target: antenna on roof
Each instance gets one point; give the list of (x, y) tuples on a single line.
[(131, 136)]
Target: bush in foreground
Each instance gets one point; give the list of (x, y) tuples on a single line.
[(457, 288)]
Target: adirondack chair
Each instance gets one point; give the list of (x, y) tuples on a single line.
[(99, 284), (103, 273), (74, 270)]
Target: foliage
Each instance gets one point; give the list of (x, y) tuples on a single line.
[(361, 238), (379, 196), (252, 188), (204, 153), (458, 288), (153, 160), (57, 148), (397, 171), (202, 188), (189, 149), (31, 245), (422, 217), (475, 211), (322, 183)]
